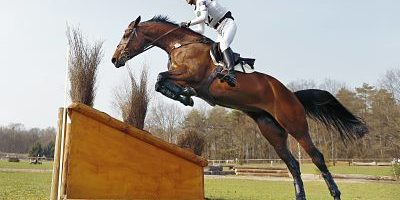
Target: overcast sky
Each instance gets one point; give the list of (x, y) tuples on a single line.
[(352, 41)]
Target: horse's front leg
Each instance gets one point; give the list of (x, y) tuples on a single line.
[(166, 86), (180, 75), (174, 91)]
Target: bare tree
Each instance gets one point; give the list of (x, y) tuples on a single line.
[(15, 138), (133, 100), (164, 120), (332, 86), (84, 60), (391, 82), (301, 85)]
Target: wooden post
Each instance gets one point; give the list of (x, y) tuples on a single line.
[(64, 170), (57, 148)]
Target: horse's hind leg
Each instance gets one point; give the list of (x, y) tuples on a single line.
[(277, 137), (291, 116), (318, 159)]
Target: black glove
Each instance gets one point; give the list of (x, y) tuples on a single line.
[(184, 24)]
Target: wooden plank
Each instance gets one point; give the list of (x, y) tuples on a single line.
[(104, 162), (140, 134)]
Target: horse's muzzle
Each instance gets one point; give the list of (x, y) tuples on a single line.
[(118, 62)]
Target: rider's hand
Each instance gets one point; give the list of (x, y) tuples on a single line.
[(184, 24)]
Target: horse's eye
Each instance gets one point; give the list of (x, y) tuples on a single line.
[(127, 34)]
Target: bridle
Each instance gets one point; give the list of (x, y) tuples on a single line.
[(149, 45)]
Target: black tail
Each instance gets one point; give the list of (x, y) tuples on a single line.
[(324, 107)]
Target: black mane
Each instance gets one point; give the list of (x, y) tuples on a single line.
[(165, 19), (162, 19)]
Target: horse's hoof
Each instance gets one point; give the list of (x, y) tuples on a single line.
[(187, 101)]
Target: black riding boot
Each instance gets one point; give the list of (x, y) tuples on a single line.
[(230, 77)]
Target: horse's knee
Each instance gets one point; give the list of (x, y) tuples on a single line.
[(162, 76), (158, 87)]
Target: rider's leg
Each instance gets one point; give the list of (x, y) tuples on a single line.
[(229, 61), (226, 34)]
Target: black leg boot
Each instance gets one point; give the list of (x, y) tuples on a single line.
[(230, 77), (333, 188)]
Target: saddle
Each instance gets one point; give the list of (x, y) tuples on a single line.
[(217, 56)]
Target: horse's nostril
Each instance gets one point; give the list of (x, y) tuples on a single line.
[(114, 60)]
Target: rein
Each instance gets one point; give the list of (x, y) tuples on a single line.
[(151, 44)]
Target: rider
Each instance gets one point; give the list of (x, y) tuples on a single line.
[(210, 12)]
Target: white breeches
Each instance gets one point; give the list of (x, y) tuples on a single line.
[(226, 33)]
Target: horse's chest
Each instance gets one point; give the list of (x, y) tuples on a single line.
[(173, 66)]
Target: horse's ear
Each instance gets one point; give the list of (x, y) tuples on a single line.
[(138, 20), (135, 23)]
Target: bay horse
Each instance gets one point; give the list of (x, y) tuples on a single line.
[(276, 110)]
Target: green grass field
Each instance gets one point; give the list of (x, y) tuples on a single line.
[(37, 186), (24, 185), (224, 189), (28, 185)]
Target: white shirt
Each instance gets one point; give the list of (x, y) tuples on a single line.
[(208, 12)]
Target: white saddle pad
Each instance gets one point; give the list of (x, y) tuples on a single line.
[(244, 68)]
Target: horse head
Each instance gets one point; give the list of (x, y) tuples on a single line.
[(131, 44)]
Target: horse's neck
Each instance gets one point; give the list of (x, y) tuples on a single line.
[(176, 37), (182, 37)]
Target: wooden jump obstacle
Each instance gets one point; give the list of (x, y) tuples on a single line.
[(107, 159)]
